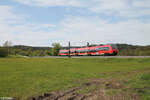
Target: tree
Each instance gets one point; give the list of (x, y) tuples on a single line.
[(16, 51), (55, 49), (42, 53), (3, 52), (47, 52), (7, 45)]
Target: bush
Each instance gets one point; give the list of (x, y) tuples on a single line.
[(3, 52), (146, 77)]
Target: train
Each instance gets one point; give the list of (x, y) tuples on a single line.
[(104, 50)]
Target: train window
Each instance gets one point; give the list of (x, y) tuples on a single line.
[(72, 51), (78, 51), (102, 49), (82, 51), (86, 50), (99, 49), (61, 51), (64, 51), (92, 50), (106, 48)]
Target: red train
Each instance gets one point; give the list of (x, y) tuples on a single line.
[(106, 50)]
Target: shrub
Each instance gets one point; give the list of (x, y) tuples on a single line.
[(146, 78), (3, 52)]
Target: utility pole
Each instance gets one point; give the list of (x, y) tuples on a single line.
[(88, 48), (87, 44), (69, 50)]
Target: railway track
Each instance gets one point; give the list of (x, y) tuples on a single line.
[(93, 57)]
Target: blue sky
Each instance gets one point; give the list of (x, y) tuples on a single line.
[(43, 22)]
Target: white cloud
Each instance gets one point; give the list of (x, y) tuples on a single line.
[(97, 30), (109, 5), (141, 3), (12, 27), (124, 8), (78, 30), (7, 14), (43, 3)]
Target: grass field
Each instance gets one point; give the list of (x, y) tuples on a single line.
[(25, 77)]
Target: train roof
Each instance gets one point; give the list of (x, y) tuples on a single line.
[(85, 47)]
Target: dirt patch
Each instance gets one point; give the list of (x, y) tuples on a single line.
[(101, 89), (99, 93)]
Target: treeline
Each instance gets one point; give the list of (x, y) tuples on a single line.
[(124, 50), (30, 51), (3, 52), (133, 50), (24, 52)]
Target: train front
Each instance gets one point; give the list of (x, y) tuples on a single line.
[(114, 48)]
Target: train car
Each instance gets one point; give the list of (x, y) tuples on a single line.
[(106, 50), (72, 51), (82, 51), (63, 52)]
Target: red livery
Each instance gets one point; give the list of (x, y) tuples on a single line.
[(109, 49)]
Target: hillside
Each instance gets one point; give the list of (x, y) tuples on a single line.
[(124, 50), (133, 50), (23, 47)]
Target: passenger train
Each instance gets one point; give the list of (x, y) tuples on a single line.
[(105, 50)]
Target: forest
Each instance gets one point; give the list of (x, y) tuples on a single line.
[(124, 50)]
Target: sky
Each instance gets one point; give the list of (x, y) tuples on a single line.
[(43, 22)]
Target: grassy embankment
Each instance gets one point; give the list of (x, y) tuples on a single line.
[(25, 77)]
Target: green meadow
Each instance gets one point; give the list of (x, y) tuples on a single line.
[(26, 77)]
